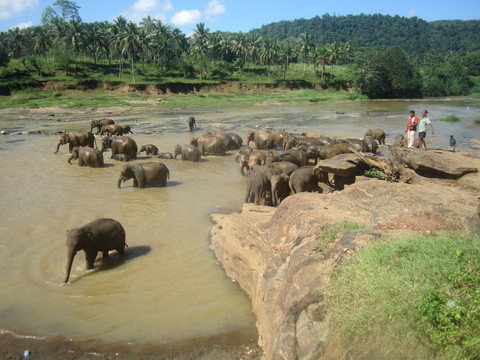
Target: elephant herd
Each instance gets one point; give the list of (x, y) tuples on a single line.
[(281, 165)]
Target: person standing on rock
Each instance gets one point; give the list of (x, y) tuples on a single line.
[(411, 128), (422, 129), (453, 143)]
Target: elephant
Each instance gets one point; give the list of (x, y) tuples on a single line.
[(280, 188), (296, 140), (145, 173), (165, 155), (99, 123), (87, 156), (283, 167), (209, 144), (126, 130), (245, 150), (111, 129), (192, 124), (258, 186), (149, 149), (256, 157), (377, 134), (280, 137), (304, 179), (296, 156), (120, 145), (262, 139), (359, 145), (99, 235), (75, 139), (326, 151), (122, 157), (188, 152), (372, 144), (231, 140)]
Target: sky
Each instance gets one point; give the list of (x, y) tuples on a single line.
[(234, 15)]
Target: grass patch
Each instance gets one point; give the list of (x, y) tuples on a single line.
[(328, 234), (450, 118), (409, 299), (100, 98)]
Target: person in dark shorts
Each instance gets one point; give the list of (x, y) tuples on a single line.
[(422, 129)]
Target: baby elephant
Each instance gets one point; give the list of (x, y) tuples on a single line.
[(122, 157), (145, 174), (99, 235), (87, 156), (149, 149)]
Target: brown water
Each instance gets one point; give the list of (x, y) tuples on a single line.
[(170, 287)]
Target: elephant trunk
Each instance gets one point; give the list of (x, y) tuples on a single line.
[(58, 147), (241, 166), (119, 182), (70, 160), (71, 255)]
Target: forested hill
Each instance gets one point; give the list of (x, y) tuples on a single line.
[(412, 34)]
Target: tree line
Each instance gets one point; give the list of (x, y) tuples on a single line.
[(64, 40)]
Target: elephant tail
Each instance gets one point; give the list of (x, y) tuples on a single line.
[(168, 174)]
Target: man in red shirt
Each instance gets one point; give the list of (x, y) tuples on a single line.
[(411, 128)]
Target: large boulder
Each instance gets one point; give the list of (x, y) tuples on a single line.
[(434, 163), (272, 252)]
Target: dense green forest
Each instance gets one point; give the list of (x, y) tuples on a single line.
[(380, 31), (375, 55)]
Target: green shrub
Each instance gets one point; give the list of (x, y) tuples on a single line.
[(411, 298), (450, 118), (329, 233)]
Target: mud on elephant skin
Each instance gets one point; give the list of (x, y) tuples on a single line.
[(188, 152), (97, 124), (120, 145), (100, 235), (149, 149), (145, 174), (87, 156), (75, 139)]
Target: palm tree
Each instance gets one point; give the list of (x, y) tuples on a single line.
[(75, 37), (268, 53), (118, 31), (43, 41), (131, 43), (321, 58), (285, 53), (200, 38), (16, 42), (305, 49), (253, 46)]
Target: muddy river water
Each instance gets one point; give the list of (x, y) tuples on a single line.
[(169, 288)]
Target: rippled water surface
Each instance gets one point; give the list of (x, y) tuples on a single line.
[(169, 287)]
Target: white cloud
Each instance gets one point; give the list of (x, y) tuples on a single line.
[(9, 8), (143, 8), (186, 17), (214, 7), (23, 25)]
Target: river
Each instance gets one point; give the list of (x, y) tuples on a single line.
[(170, 287)]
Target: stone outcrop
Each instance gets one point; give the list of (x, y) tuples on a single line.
[(273, 253), (434, 163)]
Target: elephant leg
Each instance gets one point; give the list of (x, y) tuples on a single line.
[(90, 256), (135, 182), (105, 254)]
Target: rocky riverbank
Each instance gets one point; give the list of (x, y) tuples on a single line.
[(272, 252)]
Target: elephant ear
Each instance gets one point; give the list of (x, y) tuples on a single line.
[(88, 239)]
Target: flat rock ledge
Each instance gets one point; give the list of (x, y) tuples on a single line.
[(271, 252)]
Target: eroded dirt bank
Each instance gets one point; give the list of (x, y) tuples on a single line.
[(271, 252)]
